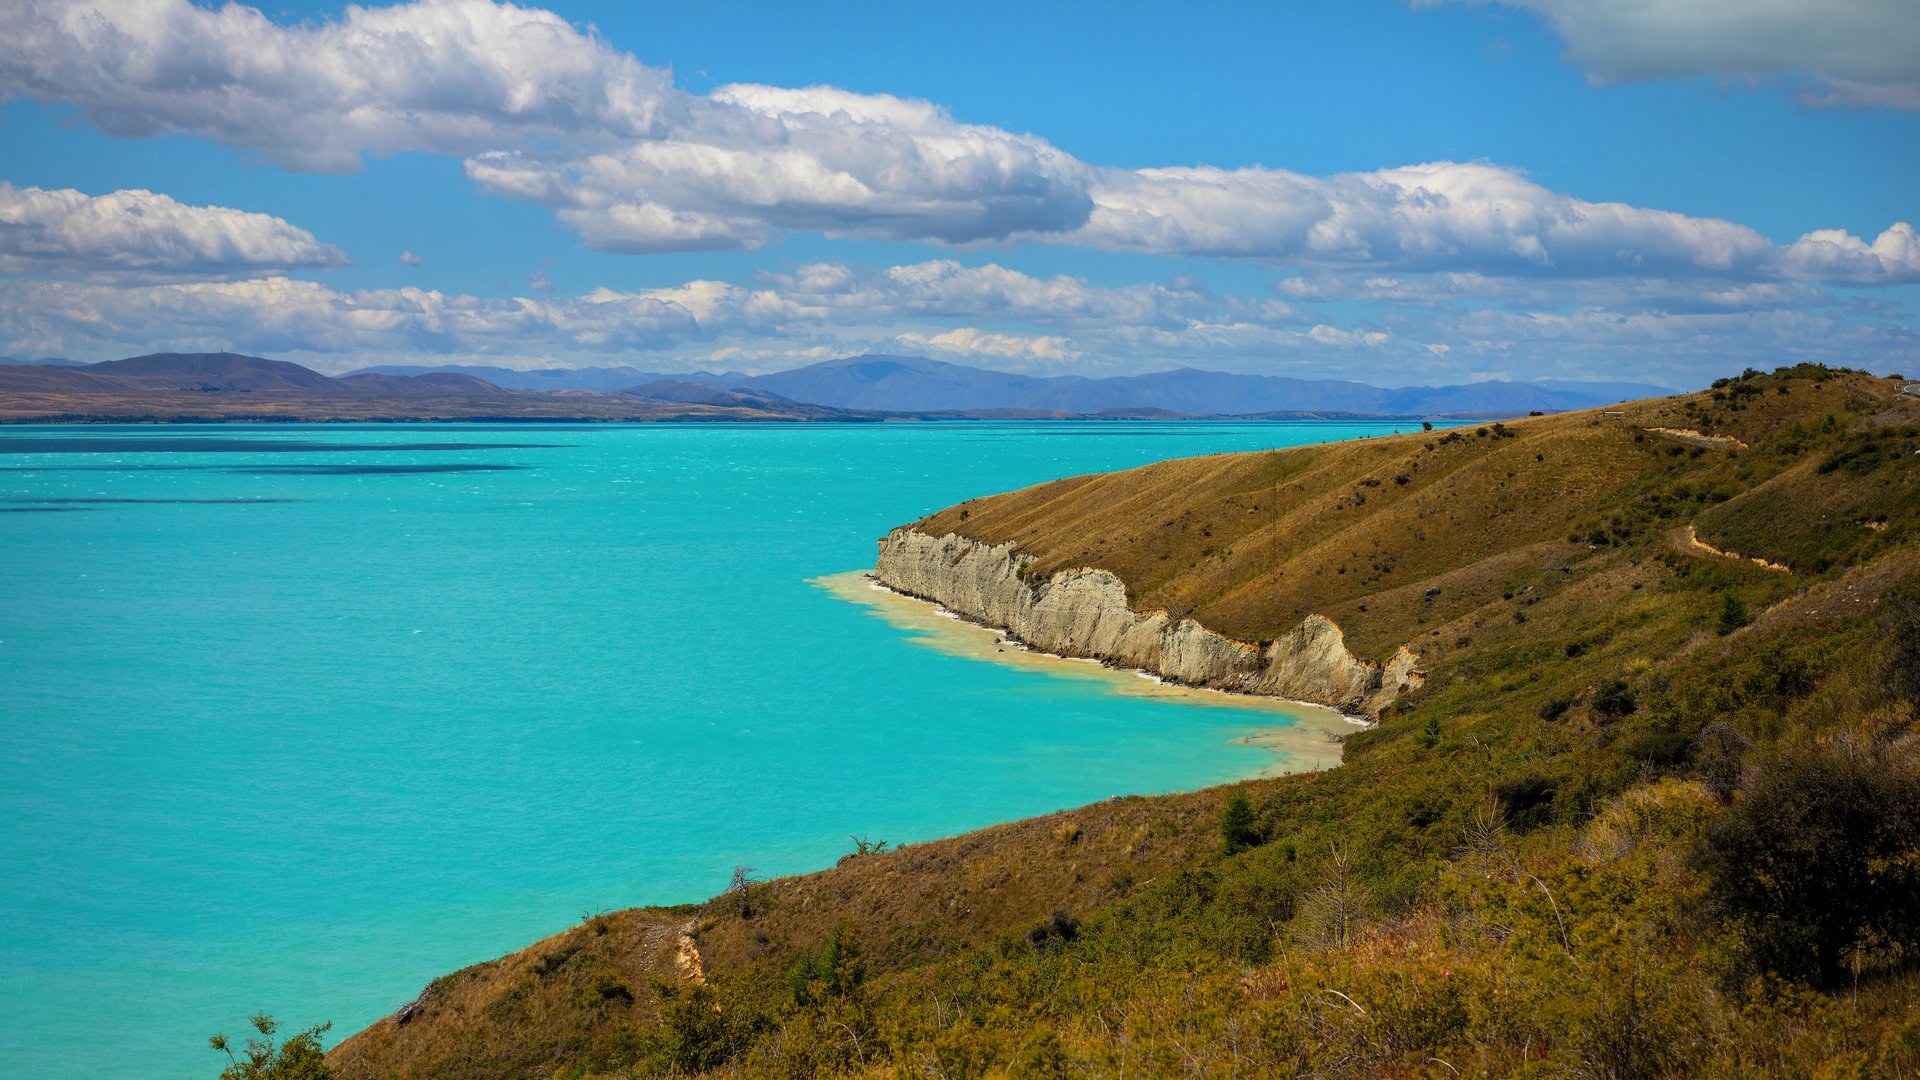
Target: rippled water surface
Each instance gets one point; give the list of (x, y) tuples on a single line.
[(295, 719)]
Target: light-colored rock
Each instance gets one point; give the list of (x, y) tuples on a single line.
[(1084, 612)]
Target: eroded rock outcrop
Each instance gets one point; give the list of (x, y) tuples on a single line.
[(1084, 612)]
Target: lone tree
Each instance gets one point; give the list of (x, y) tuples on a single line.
[(742, 884), (1732, 615), (1237, 829), (299, 1058)]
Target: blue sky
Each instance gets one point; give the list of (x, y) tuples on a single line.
[(1053, 188)]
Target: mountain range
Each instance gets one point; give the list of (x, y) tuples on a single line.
[(916, 384), (232, 386)]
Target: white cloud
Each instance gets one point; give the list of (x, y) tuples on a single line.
[(1625, 294), (1448, 216), (450, 76), (968, 341), (408, 258), (988, 315), (136, 233), (1837, 256), (1856, 52), (754, 161), (542, 111)]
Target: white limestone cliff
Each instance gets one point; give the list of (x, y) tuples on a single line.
[(1084, 612)]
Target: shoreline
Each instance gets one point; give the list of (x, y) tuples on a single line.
[(1310, 739)]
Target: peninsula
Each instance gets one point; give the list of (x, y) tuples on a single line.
[(1642, 801)]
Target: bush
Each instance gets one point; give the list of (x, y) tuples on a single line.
[(1057, 929), (1900, 619), (1818, 861), (1614, 700), (1527, 800), (299, 1058)]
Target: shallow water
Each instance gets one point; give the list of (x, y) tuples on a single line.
[(295, 719)]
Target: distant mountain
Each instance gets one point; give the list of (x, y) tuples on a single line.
[(231, 386), (433, 383), (702, 394), (855, 388), (45, 361), (600, 380), (916, 384)]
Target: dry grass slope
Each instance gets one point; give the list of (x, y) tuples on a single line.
[(1504, 878)]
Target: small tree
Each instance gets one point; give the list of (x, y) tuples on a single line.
[(1331, 914), (1429, 735), (1732, 615), (742, 885), (1720, 746), (1238, 831), (299, 1058)]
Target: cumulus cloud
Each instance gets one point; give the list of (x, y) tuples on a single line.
[(755, 161), (408, 258), (971, 341), (542, 111), (988, 315), (1450, 216), (450, 76), (141, 233), (1856, 52)]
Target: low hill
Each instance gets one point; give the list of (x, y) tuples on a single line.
[(213, 372), (1652, 813)]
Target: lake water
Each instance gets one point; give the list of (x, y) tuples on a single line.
[(297, 718)]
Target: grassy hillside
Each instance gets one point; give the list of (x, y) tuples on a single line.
[(1655, 812)]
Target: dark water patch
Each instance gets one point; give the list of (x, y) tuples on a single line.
[(195, 444), (368, 470), (110, 468), (41, 509), (63, 501)]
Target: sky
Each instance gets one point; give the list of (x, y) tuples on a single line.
[(1662, 191)]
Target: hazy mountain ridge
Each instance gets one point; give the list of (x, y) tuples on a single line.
[(916, 384), (160, 386)]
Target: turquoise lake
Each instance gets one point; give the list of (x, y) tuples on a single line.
[(296, 718)]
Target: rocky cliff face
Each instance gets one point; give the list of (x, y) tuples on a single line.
[(1084, 612)]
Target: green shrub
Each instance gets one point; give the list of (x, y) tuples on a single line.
[(1818, 861), (1614, 700), (1900, 620), (299, 1058)]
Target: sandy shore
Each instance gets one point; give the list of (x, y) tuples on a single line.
[(1304, 736)]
